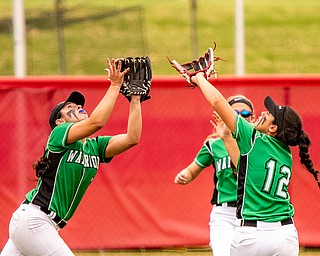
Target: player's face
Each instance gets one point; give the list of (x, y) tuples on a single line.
[(72, 112), (263, 123), (244, 110)]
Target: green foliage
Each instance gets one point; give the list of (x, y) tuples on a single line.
[(281, 37)]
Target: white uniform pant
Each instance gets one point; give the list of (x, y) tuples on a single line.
[(222, 224), (33, 233), (267, 239)]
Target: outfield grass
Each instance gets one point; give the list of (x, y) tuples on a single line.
[(281, 36), (176, 252)]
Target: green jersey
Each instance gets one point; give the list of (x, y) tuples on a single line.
[(73, 167), (264, 173), (213, 152)]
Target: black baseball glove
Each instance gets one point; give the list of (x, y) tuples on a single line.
[(138, 80)]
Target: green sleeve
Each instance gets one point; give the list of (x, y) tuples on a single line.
[(102, 142), (58, 137), (205, 156), (244, 134)]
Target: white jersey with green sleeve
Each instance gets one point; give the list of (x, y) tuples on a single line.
[(213, 152), (61, 188), (264, 173)]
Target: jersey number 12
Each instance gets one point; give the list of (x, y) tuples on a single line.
[(281, 183)]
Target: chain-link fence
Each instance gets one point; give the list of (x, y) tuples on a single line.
[(68, 41)]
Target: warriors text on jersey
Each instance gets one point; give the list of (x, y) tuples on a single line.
[(214, 153), (61, 188), (264, 173)]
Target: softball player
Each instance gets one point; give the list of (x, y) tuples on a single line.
[(67, 168), (214, 152), (265, 215)]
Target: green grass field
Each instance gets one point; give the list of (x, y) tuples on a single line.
[(281, 36), (176, 252)]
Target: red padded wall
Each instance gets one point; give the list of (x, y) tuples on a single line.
[(133, 202)]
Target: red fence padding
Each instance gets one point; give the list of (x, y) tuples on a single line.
[(133, 202)]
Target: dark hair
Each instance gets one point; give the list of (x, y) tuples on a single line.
[(293, 135), (240, 99), (56, 114), (42, 165)]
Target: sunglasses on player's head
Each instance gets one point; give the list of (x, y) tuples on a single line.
[(243, 113)]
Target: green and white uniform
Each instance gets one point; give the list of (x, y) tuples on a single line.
[(223, 214), (214, 153), (265, 169), (264, 173), (75, 165), (57, 194)]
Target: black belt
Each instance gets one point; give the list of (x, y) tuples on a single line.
[(60, 222), (253, 223), (228, 204)]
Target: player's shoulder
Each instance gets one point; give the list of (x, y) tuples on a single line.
[(61, 128), (213, 139), (268, 139), (214, 144)]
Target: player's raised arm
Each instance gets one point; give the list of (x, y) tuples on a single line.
[(196, 73), (102, 112), (122, 142), (136, 88), (216, 100)]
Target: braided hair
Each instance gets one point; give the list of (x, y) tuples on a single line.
[(293, 135)]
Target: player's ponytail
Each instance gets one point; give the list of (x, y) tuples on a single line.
[(42, 165), (304, 144), (293, 135)]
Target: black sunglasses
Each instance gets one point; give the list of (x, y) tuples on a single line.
[(243, 113)]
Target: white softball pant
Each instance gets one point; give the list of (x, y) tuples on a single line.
[(267, 239), (33, 233), (222, 224)]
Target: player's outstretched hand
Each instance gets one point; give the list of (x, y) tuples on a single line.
[(220, 127), (115, 71)]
